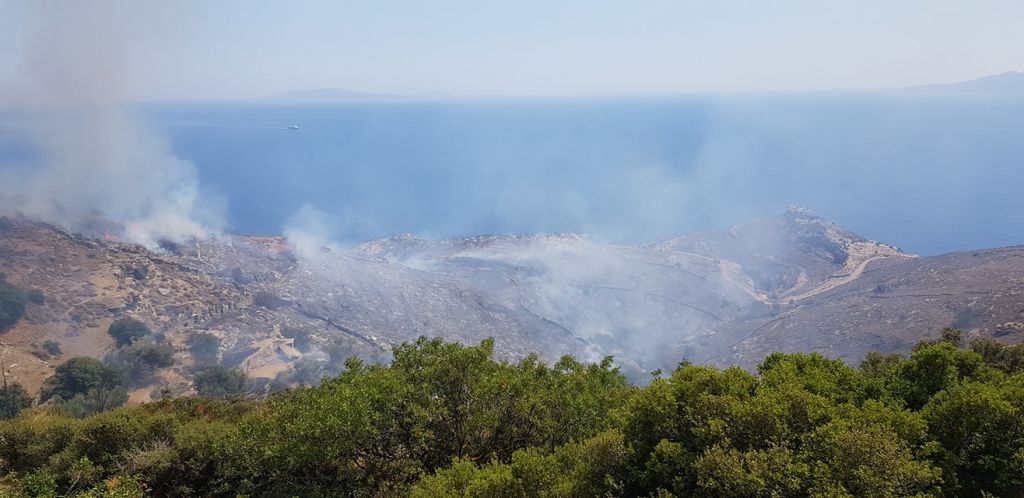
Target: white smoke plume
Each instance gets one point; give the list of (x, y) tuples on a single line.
[(310, 232), (94, 156)]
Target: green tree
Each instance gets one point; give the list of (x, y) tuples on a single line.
[(952, 335), (1009, 359), (126, 331), (594, 467), (373, 430), (268, 300), (141, 360), (78, 376), (934, 367), (727, 472), (305, 372), (867, 461), (36, 484), (12, 304), (219, 382), (52, 348), (812, 373), (981, 431), (95, 401), (447, 419), (13, 399), (204, 347), (877, 364)]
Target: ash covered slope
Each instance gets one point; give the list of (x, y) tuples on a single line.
[(653, 305), (795, 282), (625, 301), (382, 303)]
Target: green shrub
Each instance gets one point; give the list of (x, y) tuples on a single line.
[(78, 376), (37, 484), (218, 382), (12, 304), (95, 401), (127, 330), (593, 467), (117, 487), (13, 399), (35, 296), (1009, 359), (52, 348), (304, 372), (139, 272), (141, 359), (449, 420), (204, 347), (268, 300)]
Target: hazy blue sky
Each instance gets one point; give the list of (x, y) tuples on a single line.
[(216, 49)]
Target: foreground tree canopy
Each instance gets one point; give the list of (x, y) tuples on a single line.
[(447, 420)]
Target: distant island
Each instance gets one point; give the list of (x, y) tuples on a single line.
[(1010, 83), (343, 95)]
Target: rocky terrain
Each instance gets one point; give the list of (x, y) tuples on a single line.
[(793, 282)]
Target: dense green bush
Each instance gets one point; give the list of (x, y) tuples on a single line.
[(78, 376), (268, 300), (35, 296), (12, 304), (95, 401), (303, 372), (52, 348), (125, 331), (139, 272), (447, 420), (142, 359), (1009, 359), (219, 382), (204, 347), (13, 399)]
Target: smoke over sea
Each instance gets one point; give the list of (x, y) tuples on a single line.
[(927, 173), (92, 155)]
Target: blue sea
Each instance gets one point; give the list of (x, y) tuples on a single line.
[(928, 174)]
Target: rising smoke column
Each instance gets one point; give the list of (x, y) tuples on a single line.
[(95, 156)]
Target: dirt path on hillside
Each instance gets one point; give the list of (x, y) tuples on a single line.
[(834, 281)]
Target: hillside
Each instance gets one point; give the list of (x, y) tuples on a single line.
[(793, 282), (891, 306)]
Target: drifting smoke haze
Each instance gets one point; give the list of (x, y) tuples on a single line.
[(93, 156), (310, 232)]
